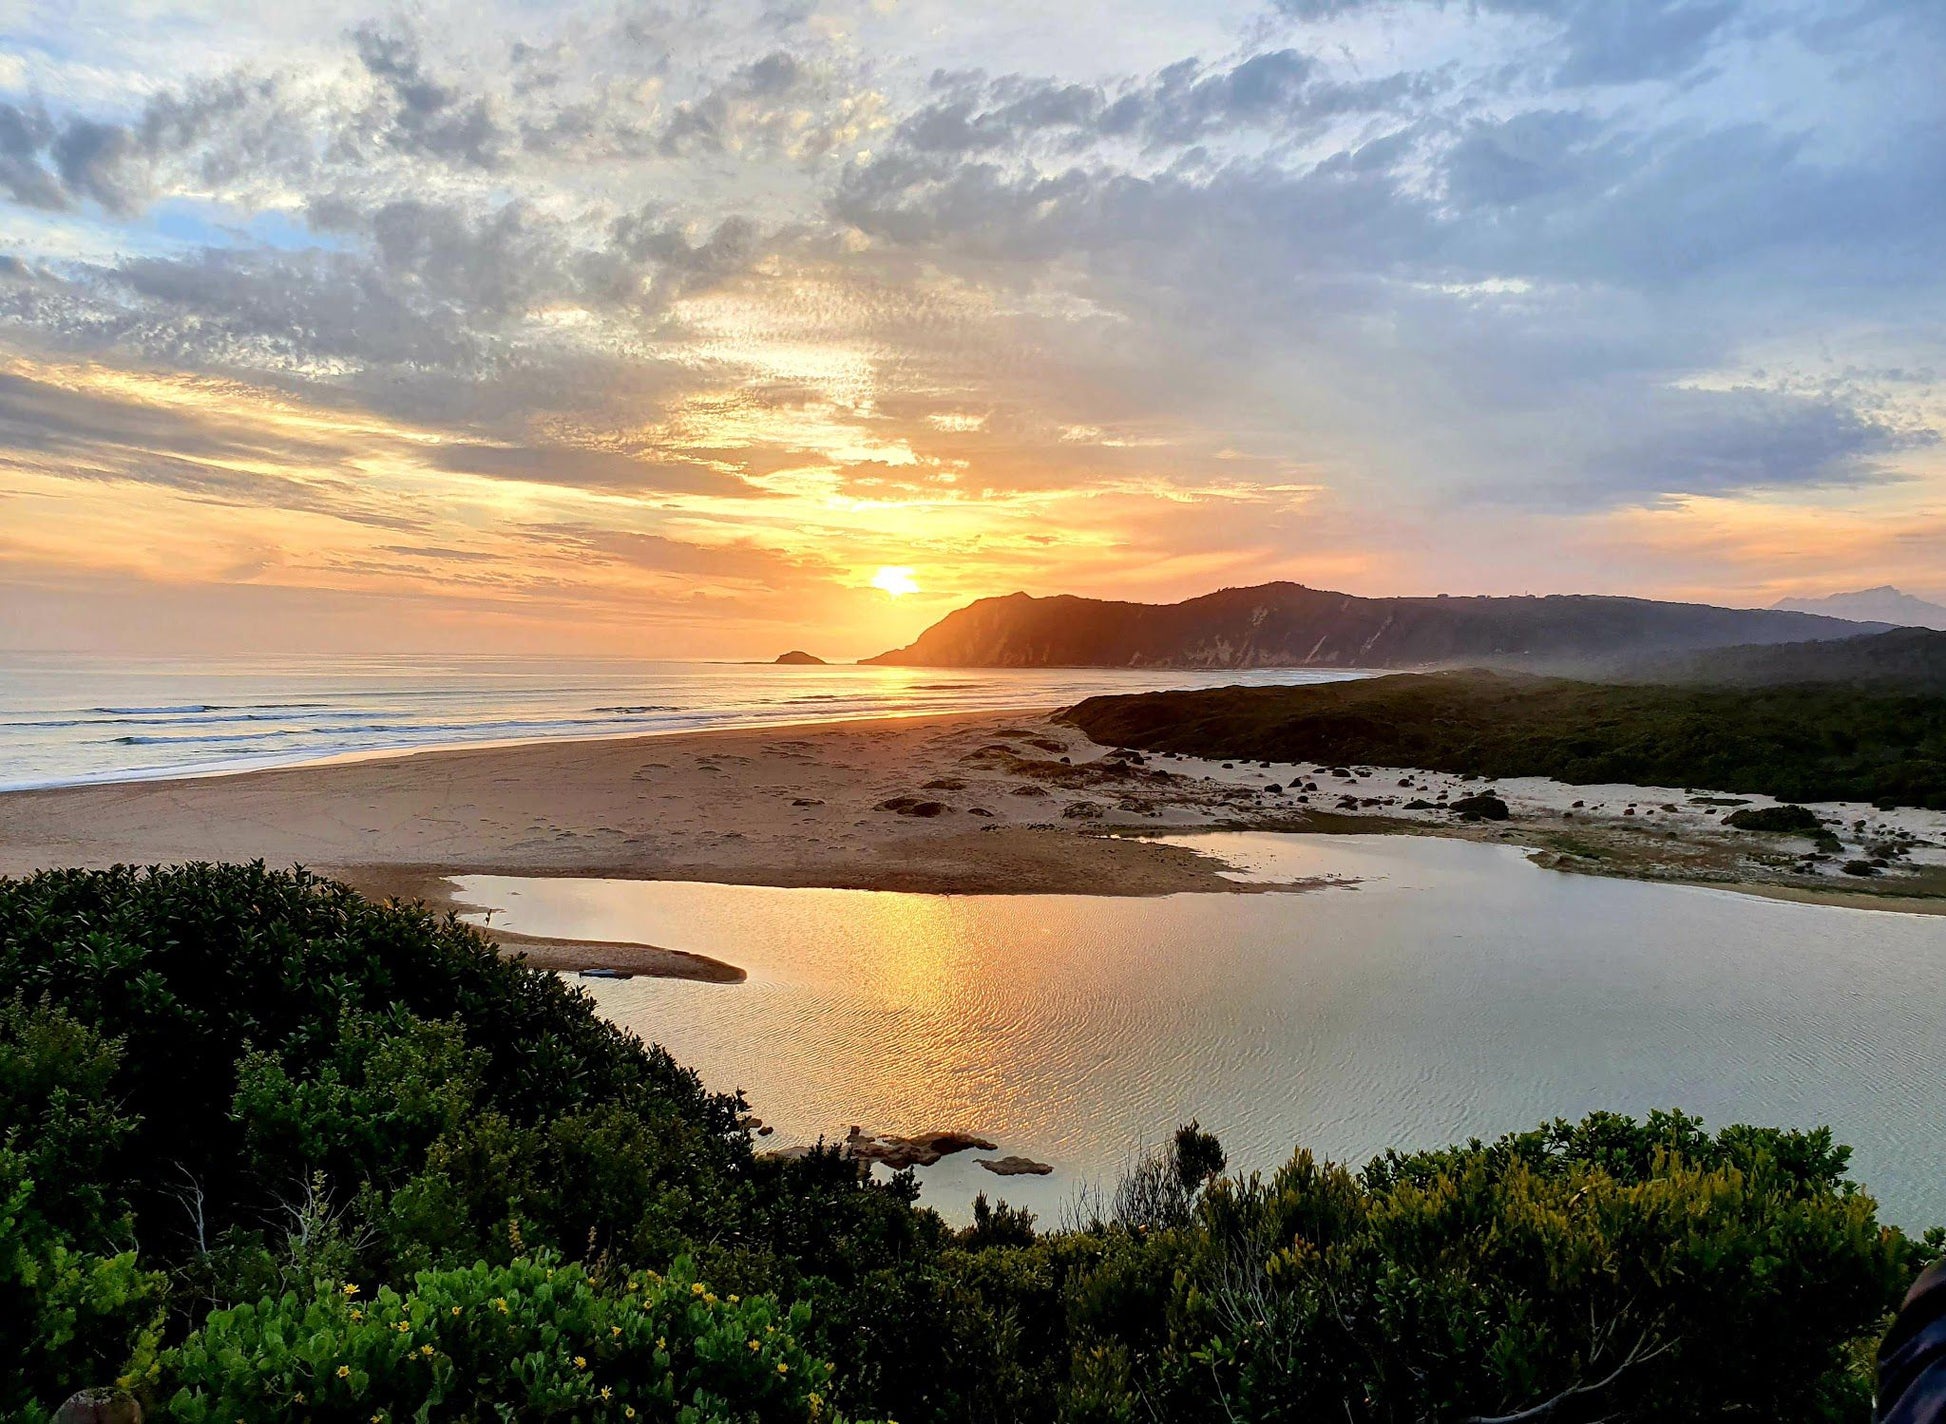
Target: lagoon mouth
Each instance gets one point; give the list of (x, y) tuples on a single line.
[(1442, 989)]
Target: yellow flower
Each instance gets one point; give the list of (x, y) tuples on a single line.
[(378, 1419), (356, 1316), (344, 1372), (614, 1330), (425, 1349), (456, 1310), (298, 1398), (606, 1391), (403, 1327), (350, 1289), (782, 1368), (753, 1344), (735, 1298), (581, 1362), (501, 1301), (697, 1288), (628, 1411), (661, 1343)]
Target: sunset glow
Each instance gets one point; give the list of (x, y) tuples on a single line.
[(896, 581), (531, 338)]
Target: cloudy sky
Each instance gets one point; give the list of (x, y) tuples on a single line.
[(668, 328)]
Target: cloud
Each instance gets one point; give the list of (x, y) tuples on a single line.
[(590, 469), (1600, 41), (849, 274), (417, 114)]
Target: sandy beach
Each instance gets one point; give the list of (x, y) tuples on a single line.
[(978, 803)]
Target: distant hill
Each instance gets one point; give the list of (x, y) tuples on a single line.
[(1289, 625), (1873, 605), (1905, 660)]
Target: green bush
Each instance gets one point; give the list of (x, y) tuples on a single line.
[(277, 1088), (67, 1316), (1787, 820), (1805, 743), (534, 1339), (1648, 1269)]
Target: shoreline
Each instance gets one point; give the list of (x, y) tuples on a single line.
[(989, 802), (147, 775)]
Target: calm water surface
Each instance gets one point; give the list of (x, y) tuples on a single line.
[(1455, 990)]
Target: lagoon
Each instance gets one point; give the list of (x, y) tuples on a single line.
[(1442, 989)]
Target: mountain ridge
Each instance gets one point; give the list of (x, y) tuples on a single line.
[(1884, 604), (1287, 624)]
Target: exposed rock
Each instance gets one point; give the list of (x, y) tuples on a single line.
[(808, 801), (1014, 1166), (1483, 807), (920, 1151), (1082, 811), (99, 1406), (944, 783), (1786, 820), (912, 806), (1029, 790)]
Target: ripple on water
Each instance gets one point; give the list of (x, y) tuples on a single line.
[(1457, 990)]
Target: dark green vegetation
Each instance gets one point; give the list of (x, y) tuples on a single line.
[(1811, 743), (1289, 625), (269, 1152), (1905, 659), (1784, 820)]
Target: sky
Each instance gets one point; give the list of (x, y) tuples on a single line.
[(696, 329)]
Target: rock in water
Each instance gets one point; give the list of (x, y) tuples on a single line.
[(1014, 1166), (797, 657), (920, 1151)]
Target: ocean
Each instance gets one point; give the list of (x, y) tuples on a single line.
[(71, 719)]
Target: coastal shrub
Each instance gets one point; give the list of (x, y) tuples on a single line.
[(1633, 1270), (1788, 820), (1797, 743), (280, 1090), (534, 1339), (74, 1302), (67, 1314)]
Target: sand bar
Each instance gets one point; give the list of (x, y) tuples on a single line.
[(964, 803)]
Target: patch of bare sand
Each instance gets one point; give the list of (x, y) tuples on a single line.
[(961, 804)]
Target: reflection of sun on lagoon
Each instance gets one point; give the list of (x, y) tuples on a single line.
[(1458, 991), (935, 990)]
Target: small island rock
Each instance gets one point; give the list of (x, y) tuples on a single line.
[(1014, 1166), (797, 657)]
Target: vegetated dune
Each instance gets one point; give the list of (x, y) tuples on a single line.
[(1289, 625), (1908, 659), (1817, 743)]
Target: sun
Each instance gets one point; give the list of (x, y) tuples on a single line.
[(897, 581)]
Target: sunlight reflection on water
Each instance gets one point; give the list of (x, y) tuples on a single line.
[(1453, 990)]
